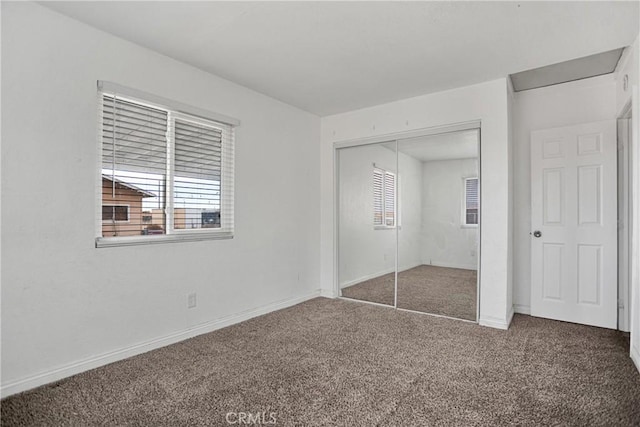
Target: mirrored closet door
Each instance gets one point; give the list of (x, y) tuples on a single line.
[(367, 222), (438, 229), (408, 223)]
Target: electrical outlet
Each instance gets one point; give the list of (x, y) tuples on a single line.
[(191, 300)]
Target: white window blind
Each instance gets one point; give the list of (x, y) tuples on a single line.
[(384, 198), (390, 199), (173, 170), (471, 201), (378, 197)]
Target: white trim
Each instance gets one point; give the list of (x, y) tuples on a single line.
[(624, 235), (479, 241), (169, 179), (495, 322), (522, 309), (634, 223), (395, 222), (77, 367), (98, 167), (324, 293), (145, 97), (436, 130), (336, 224), (635, 356), (186, 236)]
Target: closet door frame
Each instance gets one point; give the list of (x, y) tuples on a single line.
[(395, 137)]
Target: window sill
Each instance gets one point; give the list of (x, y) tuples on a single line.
[(108, 242), (469, 226), (383, 227)]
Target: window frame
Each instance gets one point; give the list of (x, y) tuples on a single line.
[(183, 112), (115, 221), (463, 221)]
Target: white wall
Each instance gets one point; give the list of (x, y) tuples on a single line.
[(567, 104), (486, 102), (69, 306), (628, 67), (445, 241), (366, 252)]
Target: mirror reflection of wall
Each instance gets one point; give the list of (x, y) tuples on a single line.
[(366, 222), (444, 278), (417, 199)]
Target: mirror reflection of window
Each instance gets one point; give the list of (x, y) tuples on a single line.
[(472, 205), (384, 198)]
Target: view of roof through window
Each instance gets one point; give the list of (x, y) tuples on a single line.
[(191, 193)]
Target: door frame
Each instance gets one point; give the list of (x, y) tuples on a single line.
[(624, 251), (391, 137)]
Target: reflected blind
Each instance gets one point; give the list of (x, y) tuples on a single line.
[(471, 201), (384, 198), (378, 186), (390, 199)]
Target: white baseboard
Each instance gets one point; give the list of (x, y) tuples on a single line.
[(522, 309), (327, 293), (495, 322), (635, 356), (74, 368), (452, 265), (510, 315)]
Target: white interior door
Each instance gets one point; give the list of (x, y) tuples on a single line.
[(574, 224)]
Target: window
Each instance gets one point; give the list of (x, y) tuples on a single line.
[(471, 201), (115, 213), (174, 171), (384, 198)]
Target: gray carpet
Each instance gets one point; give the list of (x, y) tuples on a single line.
[(438, 290), (341, 363)]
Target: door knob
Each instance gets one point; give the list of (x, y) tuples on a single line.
[(537, 233)]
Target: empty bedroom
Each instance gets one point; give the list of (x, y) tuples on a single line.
[(319, 213)]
